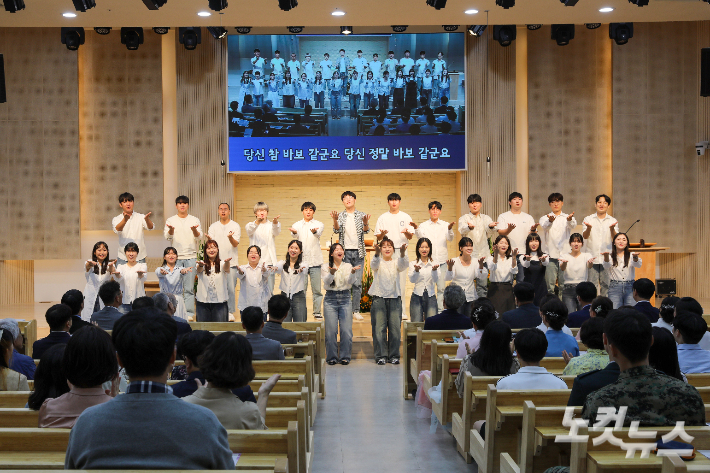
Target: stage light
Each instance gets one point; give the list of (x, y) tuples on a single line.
[(438, 4), (399, 29), (154, 4), (639, 3), (161, 29), (471, 12), (204, 13), (295, 29), (73, 37), (243, 29), (505, 3), (83, 5), (592, 26), (563, 34), (346, 30), (13, 5), (217, 5), (217, 32), (504, 34), (338, 13), (190, 37), (476, 30), (534, 27), (287, 5), (132, 37), (621, 32), (569, 3), (606, 10), (69, 15)]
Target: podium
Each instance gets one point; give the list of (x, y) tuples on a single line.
[(648, 268)]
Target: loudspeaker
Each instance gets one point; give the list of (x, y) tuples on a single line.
[(666, 287), (3, 94), (705, 72)]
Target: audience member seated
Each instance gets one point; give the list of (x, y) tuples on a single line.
[(297, 128), (691, 305), (379, 131), (144, 302), (167, 303), (586, 292), (430, 126), (226, 365), (404, 123), (530, 347), (137, 430), (23, 364), (258, 126), (449, 318), (596, 358), (652, 398), (482, 314), (279, 306), (643, 291), (666, 313), (248, 106), (50, 381), (451, 119), (269, 114), (663, 355), (262, 347), (372, 111), (307, 117), (554, 316), (234, 113), (444, 107), (398, 109), (421, 119), (445, 128), (546, 298), (10, 380), (112, 297), (414, 129), (600, 307), (423, 102), (688, 330), (379, 121), (59, 319), (526, 314), (90, 366), (74, 299)]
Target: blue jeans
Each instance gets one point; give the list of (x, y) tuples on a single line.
[(319, 100), (211, 311), (354, 104), (352, 257), (188, 283), (336, 312), (258, 100), (335, 104), (569, 297), (314, 274), (302, 103), (421, 307), (445, 93), (231, 287), (386, 314), (621, 293), (367, 97), (552, 275), (427, 93), (298, 311), (600, 278)]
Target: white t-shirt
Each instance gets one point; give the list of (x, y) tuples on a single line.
[(263, 235), (531, 377), (395, 224), (212, 289), (131, 284), (182, 239), (375, 67), (422, 65), (576, 271), (219, 233), (278, 64), (465, 277), (599, 240), (523, 223), (132, 232), (555, 234), (351, 242), (407, 63), (326, 68), (293, 67), (312, 254), (258, 65), (480, 233), (439, 234), (359, 63)]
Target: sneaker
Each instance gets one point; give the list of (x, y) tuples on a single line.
[(231, 317), (318, 316), (381, 361), (332, 362), (345, 362), (357, 316), (394, 361)]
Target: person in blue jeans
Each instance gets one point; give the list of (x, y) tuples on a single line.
[(620, 266), (294, 278), (338, 277), (336, 92)]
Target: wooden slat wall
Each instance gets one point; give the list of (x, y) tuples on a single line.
[(202, 128), (17, 282), (683, 268), (702, 288)]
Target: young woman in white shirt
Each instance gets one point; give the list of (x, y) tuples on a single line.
[(170, 279), (338, 277), (263, 233), (294, 277), (131, 277), (423, 273), (575, 266), (98, 271), (245, 86), (254, 287), (503, 268), (621, 269), (464, 271), (274, 87), (319, 86), (386, 311), (288, 91), (369, 86), (337, 89), (212, 280), (534, 264)]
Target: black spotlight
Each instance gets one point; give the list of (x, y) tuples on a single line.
[(534, 27), (295, 29), (154, 4), (346, 30), (217, 31), (190, 37), (103, 30), (399, 29), (161, 29), (562, 34), (505, 3), (569, 3), (504, 34), (639, 3), (243, 29), (476, 30), (83, 5), (217, 5), (450, 28), (438, 4), (287, 5), (13, 5), (621, 32), (73, 37), (592, 26), (132, 37)]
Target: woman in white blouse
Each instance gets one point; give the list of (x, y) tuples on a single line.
[(575, 266), (423, 273), (131, 277), (463, 271), (503, 268), (338, 277), (212, 280), (254, 287), (621, 273), (98, 271), (294, 276)]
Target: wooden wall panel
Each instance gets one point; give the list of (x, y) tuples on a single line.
[(17, 282), (39, 147), (702, 180), (568, 118), (683, 268), (121, 128)]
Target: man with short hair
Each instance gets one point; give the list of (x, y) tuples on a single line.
[(643, 291), (23, 364), (167, 303), (691, 305), (439, 232), (516, 225), (530, 347), (449, 318), (688, 330), (59, 319), (599, 231), (227, 233), (526, 314), (74, 299), (262, 348), (586, 292), (112, 297), (279, 306), (131, 427)]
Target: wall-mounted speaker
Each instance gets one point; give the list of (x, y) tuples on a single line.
[(3, 93), (705, 72), (666, 287)]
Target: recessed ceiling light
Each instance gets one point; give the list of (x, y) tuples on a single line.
[(338, 13), (606, 9), (69, 15), (471, 12), (204, 13)]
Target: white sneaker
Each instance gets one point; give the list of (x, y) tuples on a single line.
[(357, 316), (231, 317)]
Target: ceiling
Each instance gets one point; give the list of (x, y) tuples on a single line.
[(266, 16)]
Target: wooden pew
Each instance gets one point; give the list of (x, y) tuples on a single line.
[(409, 336), (553, 365), (675, 464), (439, 349), (698, 380), (29, 333), (450, 400), (13, 398), (422, 359)]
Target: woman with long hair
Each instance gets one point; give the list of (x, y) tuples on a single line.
[(294, 277), (10, 380)]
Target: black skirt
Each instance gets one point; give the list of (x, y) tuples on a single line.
[(535, 275), (501, 295)]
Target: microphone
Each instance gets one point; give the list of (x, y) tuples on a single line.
[(637, 221)]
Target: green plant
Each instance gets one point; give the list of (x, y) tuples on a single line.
[(367, 277), (200, 252)]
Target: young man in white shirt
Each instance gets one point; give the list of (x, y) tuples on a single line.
[(129, 227), (183, 231), (263, 234), (227, 233), (479, 228), (407, 63), (351, 226), (278, 65), (326, 69), (422, 65), (516, 224), (294, 65), (258, 63), (530, 346), (343, 67), (397, 226), (375, 66), (308, 231), (439, 233), (391, 64), (599, 231), (556, 230)]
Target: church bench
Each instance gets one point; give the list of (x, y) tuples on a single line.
[(422, 359), (283, 386), (698, 380), (675, 464), (450, 401), (409, 337), (29, 333)]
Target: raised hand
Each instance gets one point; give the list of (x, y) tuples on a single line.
[(126, 216), (462, 335), (366, 218), (451, 225), (201, 264), (471, 226), (140, 273), (569, 217), (407, 234), (334, 215), (493, 225), (414, 225), (162, 271), (534, 227), (171, 229), (227, 260), (292, 230), (147, 216), (356, 268), (515, 252), (239, 270), (635, 255), (117, 274), (605, 254), (450, 264), (435, 267), (481, 260), (588, 225), (403, 250), (511, 227), (209, 238), (194, 230), (551, 217), (527, 257), (566, 356), (332, 269), (314, 230), (230, 234), (263, 268), (381, 235), (185, 270), (377, 249), (276, 219), (417, 268), (544, 257)]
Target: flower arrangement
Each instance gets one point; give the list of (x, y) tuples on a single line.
[(367, 278)]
